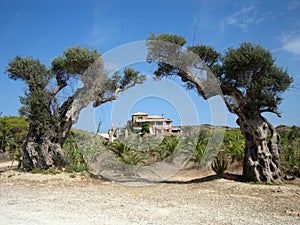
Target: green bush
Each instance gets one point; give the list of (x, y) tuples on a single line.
[(290, 156), (154, 152), (145, 128), (234, 145), (75, 160), (13, 131)]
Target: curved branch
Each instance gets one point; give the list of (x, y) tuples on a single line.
[(271, 111), (235, 93), (198, 84), (100, 101), (61, 84)]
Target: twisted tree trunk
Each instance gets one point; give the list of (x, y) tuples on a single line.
[(262, 152), (44, 142), (42, 151)]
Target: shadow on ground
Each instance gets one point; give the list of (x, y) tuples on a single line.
[(228, 176)]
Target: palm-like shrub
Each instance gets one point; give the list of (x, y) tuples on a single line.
[(166, 147), (125, 153), (131, 158), (234, 145), (200, 146)]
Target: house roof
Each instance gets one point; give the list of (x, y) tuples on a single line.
[(151, 117), (140, 114)]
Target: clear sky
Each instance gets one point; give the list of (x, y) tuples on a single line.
[(43, 29)]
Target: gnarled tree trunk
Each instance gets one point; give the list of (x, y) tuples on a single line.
[(262, 152), (43, 146), (42, 151)]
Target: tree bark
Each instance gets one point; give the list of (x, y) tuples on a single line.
[(262, 152), (41, 151)]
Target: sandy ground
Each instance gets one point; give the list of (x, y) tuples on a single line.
[(27, 198)]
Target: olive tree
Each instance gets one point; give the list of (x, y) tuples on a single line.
[(251, 84), (52, 112)]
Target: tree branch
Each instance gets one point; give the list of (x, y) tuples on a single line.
[(230, 106), (61, 84), (232, 91), (271, 111), (100, 101), (187, 77)]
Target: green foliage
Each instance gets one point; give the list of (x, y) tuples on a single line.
[(200, 145), (30, 70), (206, 53), (251, 70), (234, 145), (119, 83), (290, 155), (135, 154), (131, 76), (13, 130), (173, 38), (75, 160), (124, 153), (131, 158), (74, 61), (166, 147), (248, 76), (219, 166), (159, 53), (145, 128)]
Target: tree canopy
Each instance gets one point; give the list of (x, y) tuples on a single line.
[(247, 75), (247, 79)]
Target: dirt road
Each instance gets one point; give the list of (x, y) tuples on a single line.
[(64, 199)]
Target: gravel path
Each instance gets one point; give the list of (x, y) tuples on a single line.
[(27, 198)]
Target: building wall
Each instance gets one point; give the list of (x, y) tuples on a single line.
[(157, 123)]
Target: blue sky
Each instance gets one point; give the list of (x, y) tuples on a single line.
[(43, 29)]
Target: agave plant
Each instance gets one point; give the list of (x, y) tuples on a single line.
[(219, 165)]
